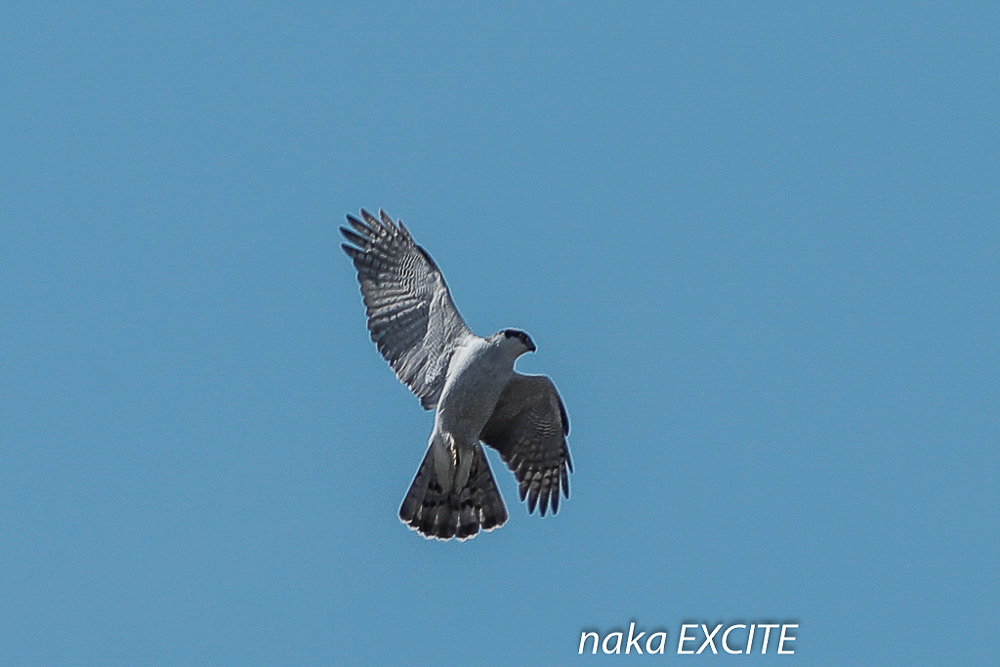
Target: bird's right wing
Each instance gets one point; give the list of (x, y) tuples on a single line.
[(411, 316), (529, 428)]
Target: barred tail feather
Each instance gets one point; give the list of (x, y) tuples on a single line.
[(460, 513)]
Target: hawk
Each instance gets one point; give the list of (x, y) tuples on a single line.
[(468, 380)]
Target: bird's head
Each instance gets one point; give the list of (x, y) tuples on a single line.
[(519, 338)]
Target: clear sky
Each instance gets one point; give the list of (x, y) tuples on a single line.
[(757, 245)]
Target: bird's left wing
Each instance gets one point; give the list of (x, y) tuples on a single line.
[(529, 428), (411, 316)]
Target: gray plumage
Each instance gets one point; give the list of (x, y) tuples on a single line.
[(410, 312), (471, 383)]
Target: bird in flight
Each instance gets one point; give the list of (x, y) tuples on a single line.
[(471, 383)]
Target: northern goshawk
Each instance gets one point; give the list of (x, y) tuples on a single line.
[(470, 381)]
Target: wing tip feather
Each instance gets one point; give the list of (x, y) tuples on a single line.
[(354, 237)]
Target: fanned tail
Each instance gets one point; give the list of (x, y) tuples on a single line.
[(460, 513)]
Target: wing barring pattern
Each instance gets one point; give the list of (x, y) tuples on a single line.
[(529, 428), (411, 317)]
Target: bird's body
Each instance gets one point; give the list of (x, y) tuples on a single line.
[(470, 381), (478, 372)]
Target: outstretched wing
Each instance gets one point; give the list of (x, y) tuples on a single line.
[(529, 428), (411, 316)]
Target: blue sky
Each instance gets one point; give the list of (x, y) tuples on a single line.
[(757, 245)]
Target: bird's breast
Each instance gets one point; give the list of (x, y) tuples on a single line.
[(476, 377)]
